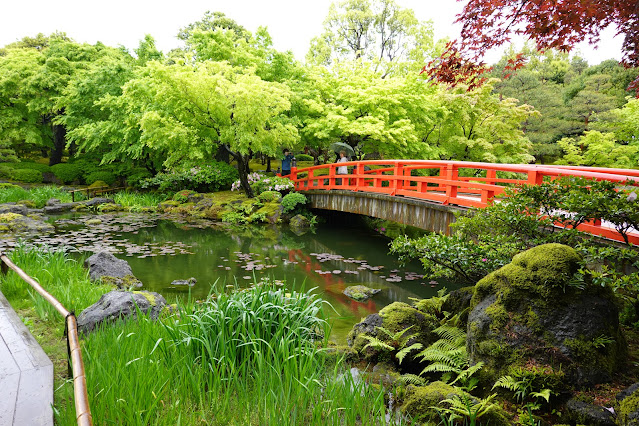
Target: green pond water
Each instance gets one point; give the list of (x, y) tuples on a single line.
[(336, 255)]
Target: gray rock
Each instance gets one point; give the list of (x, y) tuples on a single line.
[(13, 208), (588, 414), (52, 201), (627, 392), (106, 267), (530, 304), (59, 207), (120, 304), (360, 292), (190, 282), (299, 224), (17, 223), (97, 201), (275, 217), (367, 326)]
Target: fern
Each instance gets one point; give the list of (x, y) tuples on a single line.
[(448, 356), (396, 343), (411, 379), (465, 407)]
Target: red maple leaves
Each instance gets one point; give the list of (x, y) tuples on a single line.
[(552, 24)]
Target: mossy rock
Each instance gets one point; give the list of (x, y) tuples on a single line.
[(27, 203), (527, 311), (110, 208), (628, 409), (419, 403), (395, 317), (17, 223), (360, 292), (94, 221), (167, 205), (99, 184), (272, 211)]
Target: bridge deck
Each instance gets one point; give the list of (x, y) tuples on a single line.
[(26, 373)]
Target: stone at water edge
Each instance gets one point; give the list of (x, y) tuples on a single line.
[(14, 222), (13, 208), (97, 201), (299, 224), (190, 282), (565, 330), (119, 304), (360, 292), (109, 269)]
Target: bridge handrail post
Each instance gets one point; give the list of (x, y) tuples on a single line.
[(535, 177), (398, 183), (452, 173), (487, 195), (360, 182), (310, 182)]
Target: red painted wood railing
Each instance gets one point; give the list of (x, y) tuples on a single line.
[(460, 183)]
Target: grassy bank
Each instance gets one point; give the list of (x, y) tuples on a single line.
[(249, 357)]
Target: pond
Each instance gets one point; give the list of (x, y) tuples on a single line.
[(338, 254)]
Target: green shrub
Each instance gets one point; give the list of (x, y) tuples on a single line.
[(32, 166), (208, 178), (67, 172), (136, 176), (27, 175), (6, 169), (293, 201), (107, 177), (98, 184), (267, 196), (304, 157)]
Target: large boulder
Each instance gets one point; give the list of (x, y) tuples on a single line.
[(107, 268), (17, 223), (531, 313), (119, 304), (60, 207)]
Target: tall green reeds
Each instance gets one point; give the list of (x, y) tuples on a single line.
[(137, 200), (250, 357), (39, 195)]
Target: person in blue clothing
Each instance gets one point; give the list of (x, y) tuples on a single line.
[(286, 162)]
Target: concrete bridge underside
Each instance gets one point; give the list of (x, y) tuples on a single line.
[(408, 211)]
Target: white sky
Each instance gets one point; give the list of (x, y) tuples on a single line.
[(291, 23)]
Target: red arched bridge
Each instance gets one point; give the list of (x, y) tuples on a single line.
[(425, 193)]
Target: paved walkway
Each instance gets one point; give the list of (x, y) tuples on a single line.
[(26, 374)]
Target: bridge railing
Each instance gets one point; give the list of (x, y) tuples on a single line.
[(460, 183)]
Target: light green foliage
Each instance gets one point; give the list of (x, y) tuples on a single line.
[(596, 149), (480, 126), (107, 178), (468, 409), (391, 116), (267, 196), (215, 176), (293, 201), (26, 175), (67, 172)]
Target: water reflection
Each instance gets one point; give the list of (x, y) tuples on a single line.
[(334, 257)]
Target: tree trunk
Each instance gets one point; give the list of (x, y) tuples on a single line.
[(222, 155), (268, 164), (59, 141), (243, 169)]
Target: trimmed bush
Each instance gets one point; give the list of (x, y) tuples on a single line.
[(27, 175), (6, 169), (67, 172), (27, 165), (304, 157), (293, 201), (107, 177)]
